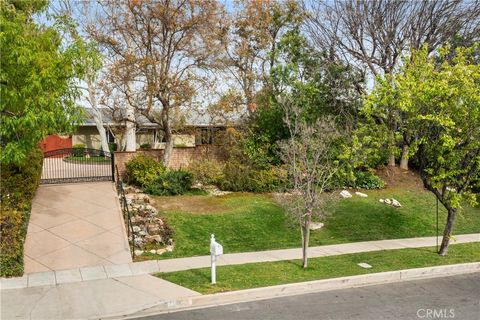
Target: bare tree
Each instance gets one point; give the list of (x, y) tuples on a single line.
[(375, 34), (311, 165), (92, 59), (162, 51), (254, 29)]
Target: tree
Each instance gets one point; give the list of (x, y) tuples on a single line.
[(311, 166), (309, 148), (375, 34), (161, 51), (91, 58), (334, 89), (37, 81), (254, 29), (440, 102)]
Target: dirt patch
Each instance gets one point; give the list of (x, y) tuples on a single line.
[(394, 177), (192, 204)]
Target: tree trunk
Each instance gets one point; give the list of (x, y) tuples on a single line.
[(130, 126), (130, 138), (168, 138), (404, 158), (391, 160), (391, 156), (97, 115), (306, 240), (447, 233)]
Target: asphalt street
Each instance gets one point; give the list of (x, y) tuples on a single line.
[(455, 297)]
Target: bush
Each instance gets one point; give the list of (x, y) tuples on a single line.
[(170, 183), (207, 171), (241, 177), (17, 189), (78, 150), (142, 170), (146, 146), (367, 180), (112, 146)]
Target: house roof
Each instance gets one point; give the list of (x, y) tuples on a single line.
[(194, 118)]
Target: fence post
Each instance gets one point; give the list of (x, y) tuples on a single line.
[(113, 165)]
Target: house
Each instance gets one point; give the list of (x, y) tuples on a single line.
[(196, 129)]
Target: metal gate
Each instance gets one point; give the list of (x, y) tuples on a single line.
[(77, 165)]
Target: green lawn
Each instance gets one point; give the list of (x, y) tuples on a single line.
[(252, 222), (91, 159), (256, 275)]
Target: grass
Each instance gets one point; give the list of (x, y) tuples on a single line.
[(85, 160), (256, 275), (251, 222)]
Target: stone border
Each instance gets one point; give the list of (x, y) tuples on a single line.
[(219, 299)]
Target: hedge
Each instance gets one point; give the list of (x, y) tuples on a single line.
[(17, 189)]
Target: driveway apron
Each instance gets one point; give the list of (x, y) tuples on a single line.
[(75, 225)]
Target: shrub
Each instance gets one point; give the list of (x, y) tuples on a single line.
[(146, 146), (142, 170), (17, 189), (241, 177), (171, 182), (367, 180), (112, 146), (207, 171), (78, 150)]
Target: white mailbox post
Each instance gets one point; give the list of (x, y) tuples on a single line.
[(216, 249)]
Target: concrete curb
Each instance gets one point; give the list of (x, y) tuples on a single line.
[(219, 299)]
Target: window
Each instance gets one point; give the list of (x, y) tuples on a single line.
[(206, 135)]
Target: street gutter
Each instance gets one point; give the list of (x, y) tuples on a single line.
[(292, 289)]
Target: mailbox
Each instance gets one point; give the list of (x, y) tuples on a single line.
[(216, 249)]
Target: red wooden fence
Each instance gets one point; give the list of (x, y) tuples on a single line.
[(55, 142)]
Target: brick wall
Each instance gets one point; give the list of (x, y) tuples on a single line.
[(181, 157)]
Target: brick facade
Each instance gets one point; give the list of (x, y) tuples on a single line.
[(181, 157)]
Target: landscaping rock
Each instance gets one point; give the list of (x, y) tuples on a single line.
[(153, 238), (316, 225), (396, 204), (364, 265), (152, 228), (345, 194), (138, 252), (161, 251), (148, 227), (363, 195), (391, 202), (214, 191)]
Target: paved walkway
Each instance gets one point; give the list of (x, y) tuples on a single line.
[(313, 252), (73, 226), (90, 300), (169, 265), (117, 290)]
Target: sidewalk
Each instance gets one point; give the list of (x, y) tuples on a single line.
[(96, 292), (90, 299), (169, 265)]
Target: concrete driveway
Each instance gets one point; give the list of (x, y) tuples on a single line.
[(75, 225)]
